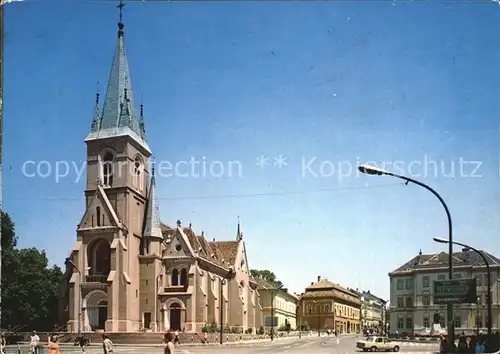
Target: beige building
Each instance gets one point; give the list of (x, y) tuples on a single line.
[(131, 271), (412, 305), (278, 304), (372, 310), (326, 305)]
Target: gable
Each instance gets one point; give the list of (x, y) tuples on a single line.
[(241, 257), (177, 245), (99, 212)]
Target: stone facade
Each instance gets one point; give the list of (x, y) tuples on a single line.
[(372, 310), (128, 271), (412, 303), (325, 305)]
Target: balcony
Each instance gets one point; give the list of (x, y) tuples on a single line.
[(95, 280), (174, 289)]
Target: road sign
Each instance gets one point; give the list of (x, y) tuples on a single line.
[(268, 321), (461, 291)]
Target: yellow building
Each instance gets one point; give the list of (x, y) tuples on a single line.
[(280, 302), (325, 305)]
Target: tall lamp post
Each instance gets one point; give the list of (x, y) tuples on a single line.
[(372, 170), (488, 274), (273, 294), (73, 265)]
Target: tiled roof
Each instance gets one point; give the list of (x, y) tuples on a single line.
[(325, 284), (219, 252), (437, 260), (228, 250)]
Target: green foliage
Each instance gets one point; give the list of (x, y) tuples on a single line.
[(30, 289), (261, 330), (267, 275)]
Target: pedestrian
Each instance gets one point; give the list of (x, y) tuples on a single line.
[(205, 338), (168, 345), (443, 345), (34, 341), (3, 343), (107, 344), (176, 338), (53, 347), (480, 345)]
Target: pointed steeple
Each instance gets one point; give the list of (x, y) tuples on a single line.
[(239, 234), (152, 225), (119, 116), (96, 120)]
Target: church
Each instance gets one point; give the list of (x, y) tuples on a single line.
[(130, 272)]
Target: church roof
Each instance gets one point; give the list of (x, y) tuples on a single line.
[(119, 115)]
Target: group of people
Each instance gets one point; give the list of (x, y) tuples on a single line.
[(473, 344)]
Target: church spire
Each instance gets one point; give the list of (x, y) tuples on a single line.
[(239, 234), (152, 225), (96, 120), (119, 115)]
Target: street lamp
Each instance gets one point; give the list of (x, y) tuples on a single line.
[(73, 265), (488, 274), (372, 170), (273, 294)]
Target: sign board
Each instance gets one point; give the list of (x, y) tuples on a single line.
[(268, 321), (461, 291)]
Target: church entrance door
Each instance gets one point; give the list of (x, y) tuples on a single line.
[(102, 314), (175, 317)]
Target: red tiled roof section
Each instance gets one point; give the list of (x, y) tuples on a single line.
[(211, 255), (217, 252), (166, 230), (228, 250), (193, 240)]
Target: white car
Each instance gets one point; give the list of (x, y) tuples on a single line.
[(377, 344)]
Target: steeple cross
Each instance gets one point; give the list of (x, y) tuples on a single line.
[(121, 5)]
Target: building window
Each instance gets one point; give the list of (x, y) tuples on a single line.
[(327, 308), (401, 323), (138, 172), (479, 320), (442, 319), (175, 277), (479, 280), (441, 277), (425, 281), (457, 276), (458, 320), (107, 169), (409, 301), (184, 277), (426, 300), (409, 321), (401, 301), (400, 284), (98, 216), (309, 309), (427, 322), (409, 284)]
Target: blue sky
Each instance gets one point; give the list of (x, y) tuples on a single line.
[(343, 83)]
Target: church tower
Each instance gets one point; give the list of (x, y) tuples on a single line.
[(104, 289)]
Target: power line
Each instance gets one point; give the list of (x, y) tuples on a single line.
[(255, 195)]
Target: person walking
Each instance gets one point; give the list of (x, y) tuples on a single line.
[(53, 347), (169, 347), (176, 338), (34, 342), (3, 343), (107, 344)]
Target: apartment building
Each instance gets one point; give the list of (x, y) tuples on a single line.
[(326, 305), (412, 302), (372, 310), (278, 306)]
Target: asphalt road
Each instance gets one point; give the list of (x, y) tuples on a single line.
[(307, 345)]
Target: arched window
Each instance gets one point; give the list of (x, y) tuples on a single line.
[(107, 169), (175, 277), (98, 216), (184, 277), (138, 172)]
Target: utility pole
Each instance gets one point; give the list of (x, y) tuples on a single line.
[(2, 7)]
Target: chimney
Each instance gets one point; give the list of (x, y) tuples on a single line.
[(213, 240), (319, 277)]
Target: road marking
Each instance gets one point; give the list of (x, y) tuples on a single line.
[(286, 347), (338, 341)]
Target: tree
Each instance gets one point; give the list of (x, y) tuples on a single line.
[(30, 289), (267, 275)]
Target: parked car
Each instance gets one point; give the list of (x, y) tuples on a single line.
[(377, 344)]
